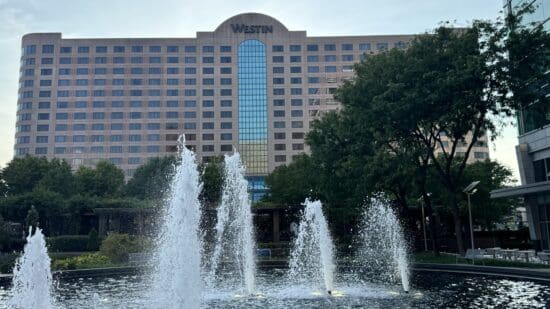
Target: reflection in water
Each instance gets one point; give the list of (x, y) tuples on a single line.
[(431, 290)]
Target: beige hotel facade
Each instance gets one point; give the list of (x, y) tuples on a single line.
[(251, 84)]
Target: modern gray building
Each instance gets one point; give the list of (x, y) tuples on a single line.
[(533, 149), (251, 84)]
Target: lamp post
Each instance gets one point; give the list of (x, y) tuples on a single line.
[(469, 190)]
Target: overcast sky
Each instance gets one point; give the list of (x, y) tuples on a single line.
[(183, 18)]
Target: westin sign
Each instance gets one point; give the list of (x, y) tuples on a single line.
[(242, 28)]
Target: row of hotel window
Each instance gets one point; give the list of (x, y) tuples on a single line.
[(187, 60), (152, 115), (167, 92), (173, 71), (171, 81), (156, 104), (50, 48), (150, 126), (44, 139)]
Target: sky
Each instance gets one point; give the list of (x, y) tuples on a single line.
[(183, 18)]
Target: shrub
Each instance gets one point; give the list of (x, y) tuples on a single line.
[(117, 246), (90, 260), (93, 240), (68, 243)]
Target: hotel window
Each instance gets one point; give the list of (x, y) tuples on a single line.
[(313, 80), (134, 160), (382, 46), (225, 59), (208, 49), (295, 59), (79, 116), (279, 102), (100, 71), (400, 45), (60, 138), (208, 92), (118, 70), (62, 104), (172, 60), (190, 49), (330, 47), (42, 127), (118, 49), (172, 49), (278, 59), (100, 60), (45, 72), (226, 114), (280, 158), (207, 148), (134, 126), (278, 91), (226, 136), (101, 49), (186, 103), (135, 115), (79, 127), (297, 113), (277, 48), (207, 125), (153, 71), (278, 70), (65, 60), (296, 102), (226, 125), (226, 103), (296, 80), (116, 126), (134, 149), (172, 81), (225, 70), (137, 49), (347, 46), (313, 47), (65, 49), (364, 46), (47, 49), (277, 113), (278, 81), (297, 146), (190, 59), (208, 137), (43, 105), (171, 92), (298, 135), (83, 60), (153, 137), (136, 60), (29, 50), (330, 69), (190, 126), (207, 70), (226, 92), (295, 69), (83, 49), (153, 126), (330, 58), (296, 91), (98, 126), (297, 124), (207, 114), (280, 147), (225, 81), (279, 124), (59, 150), (208, 81), (154, 81), (225, 49), (207, 59), (171, 115), (153, 115), (47, 61), (153, 148), (61, 82), (28, 72), (295, 48), (312, 58), (41, 150), (118, 60), (60, 116)]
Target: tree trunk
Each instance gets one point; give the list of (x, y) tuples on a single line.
[(433, 227), (458, 230)]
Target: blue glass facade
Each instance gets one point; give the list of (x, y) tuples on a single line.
[(252, 94)]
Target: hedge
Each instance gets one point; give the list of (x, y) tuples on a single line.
[(68, 243)]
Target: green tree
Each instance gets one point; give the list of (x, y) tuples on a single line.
[(212, 177), (104, 180), (32, 218), (58, 178), (441, 89), (21, 175), (152, 179)]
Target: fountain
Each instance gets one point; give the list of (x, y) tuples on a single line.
[(32, 278), (382, 248), (177, 273), (234, 240), (312, 257)]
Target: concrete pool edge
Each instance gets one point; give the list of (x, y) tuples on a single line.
[(509, 272)]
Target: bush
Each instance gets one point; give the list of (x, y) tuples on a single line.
[(117, 246), (68, 243), (93, 240), (90, 260)]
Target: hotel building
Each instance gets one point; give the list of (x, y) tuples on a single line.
[(251, 85)]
